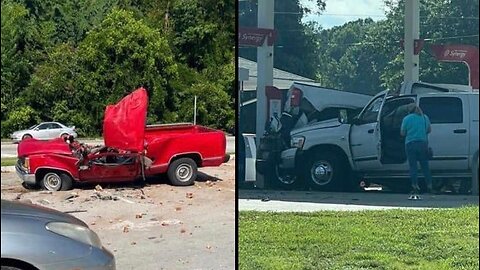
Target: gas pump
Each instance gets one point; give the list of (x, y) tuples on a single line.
[(273, 143), (275, 100)]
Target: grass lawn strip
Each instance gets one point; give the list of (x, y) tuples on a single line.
[(392, 239), (8, 161)]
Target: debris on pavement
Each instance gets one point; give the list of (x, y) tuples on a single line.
[(171, 222), (189, 195), (70, 196), (44, 201), (210, 183)]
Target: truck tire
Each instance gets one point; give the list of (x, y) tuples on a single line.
[(55, 181), (325, 171), (282, 180), (274, 178), (182, 172)]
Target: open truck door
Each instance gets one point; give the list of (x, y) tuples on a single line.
[(365, 136)]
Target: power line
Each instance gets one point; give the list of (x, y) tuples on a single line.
[(364, 43), (329, 14), (459, 17), (443, 38), (368, 15)]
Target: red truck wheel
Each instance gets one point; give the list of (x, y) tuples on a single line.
[(182, 172), (56, 181)]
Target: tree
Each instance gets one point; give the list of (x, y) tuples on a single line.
[(366, 56), (348, 61), (117, 56), (66, 59), (442, 22)]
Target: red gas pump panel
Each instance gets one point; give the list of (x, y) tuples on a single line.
[(275, 100), (296, 97)]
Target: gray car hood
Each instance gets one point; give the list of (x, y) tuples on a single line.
[(31, 210)]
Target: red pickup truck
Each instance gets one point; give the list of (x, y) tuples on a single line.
[(131, 151)]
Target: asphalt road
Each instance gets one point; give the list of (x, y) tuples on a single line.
[(9, 149), (309, 201)]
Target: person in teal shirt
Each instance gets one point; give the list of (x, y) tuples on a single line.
[(416, 127)]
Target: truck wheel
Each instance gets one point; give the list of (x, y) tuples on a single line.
[(284, 180), (325, 171), (182, 172), (56, 181)]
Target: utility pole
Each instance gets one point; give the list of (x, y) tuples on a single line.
[(264, 74), (264, 66), (412, 32)]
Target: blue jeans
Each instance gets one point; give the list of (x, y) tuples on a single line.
[(417, 151)]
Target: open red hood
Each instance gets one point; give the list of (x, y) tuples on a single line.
[(33, 146), (124, 122)]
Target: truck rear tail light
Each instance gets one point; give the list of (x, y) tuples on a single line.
[(296, 97)]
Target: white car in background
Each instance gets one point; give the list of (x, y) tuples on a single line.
[(44, 131)]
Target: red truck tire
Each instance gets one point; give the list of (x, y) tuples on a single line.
[(55, 181), (182, 172)]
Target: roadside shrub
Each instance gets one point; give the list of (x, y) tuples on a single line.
[(20, 118)]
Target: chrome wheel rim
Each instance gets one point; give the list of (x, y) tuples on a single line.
[(184, 172), (52, 181), (321, 172)]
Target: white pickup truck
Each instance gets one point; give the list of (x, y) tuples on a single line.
[(336, 154), (328, 155)]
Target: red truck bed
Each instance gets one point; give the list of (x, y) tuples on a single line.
[(165, 142)]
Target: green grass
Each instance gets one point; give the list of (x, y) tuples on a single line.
[(395, 239), (8, 161)]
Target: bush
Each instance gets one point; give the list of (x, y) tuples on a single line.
[(20, 118)]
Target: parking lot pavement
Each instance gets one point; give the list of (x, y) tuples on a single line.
[(155, 227), (309, 201)]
